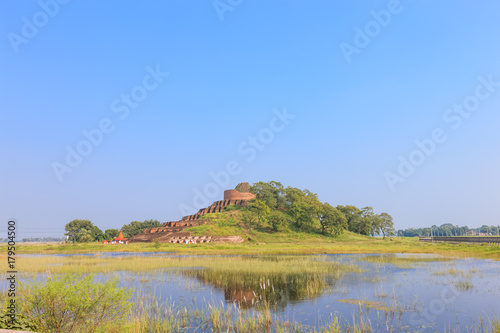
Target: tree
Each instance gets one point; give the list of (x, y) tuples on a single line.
[(109, 234), (278, 220), (352, 215), (136, 227), (84, 236), (376, 225), (248, 217), (365, 225), (75, 228), (271, 193), (303, 213), (331, 220), (97, 234), (260, 208), (386, 225)]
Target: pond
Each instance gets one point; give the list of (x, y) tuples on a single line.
[(396, 293)]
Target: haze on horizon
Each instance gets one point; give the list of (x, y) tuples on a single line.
[(115, 113)]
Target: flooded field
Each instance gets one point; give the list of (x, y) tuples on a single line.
[(393, 293)]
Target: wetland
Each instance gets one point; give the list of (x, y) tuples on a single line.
[(290, 293)]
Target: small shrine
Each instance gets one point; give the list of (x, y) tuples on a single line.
[(117, 240)]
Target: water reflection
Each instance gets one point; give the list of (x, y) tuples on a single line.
[(273, 290)]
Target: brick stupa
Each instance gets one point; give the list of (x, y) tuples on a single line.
[(173, 232)]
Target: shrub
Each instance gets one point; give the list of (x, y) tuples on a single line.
[(157, 243), (278, 220), (233, 207), (21, 323), (72, 303)]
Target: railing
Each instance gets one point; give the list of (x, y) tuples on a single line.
[(463, 239)]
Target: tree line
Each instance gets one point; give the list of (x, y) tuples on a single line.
[(449, 229), (282, 207), (84, 231)]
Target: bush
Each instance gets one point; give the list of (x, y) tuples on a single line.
[(157, 243), (21, 323), (71, 303), (233, 207), (278, 220)]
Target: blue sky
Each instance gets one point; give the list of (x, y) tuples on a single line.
[(337, 123)]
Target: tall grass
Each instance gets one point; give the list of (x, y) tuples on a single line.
[(236, 264), (403, 261)]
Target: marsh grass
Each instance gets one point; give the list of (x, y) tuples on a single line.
[(453, 271), (379, 306), (403, 261), (464, 285), (149, 316), (235, 264)]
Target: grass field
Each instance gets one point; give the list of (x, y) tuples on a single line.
[(280, 243)]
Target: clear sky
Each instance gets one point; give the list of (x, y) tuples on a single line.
[(116, 111)]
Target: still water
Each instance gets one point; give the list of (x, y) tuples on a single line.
[(407, 293)]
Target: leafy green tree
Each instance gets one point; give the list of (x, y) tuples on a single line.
[(376, 227), (386, 225), (293, 195), (366, 222), (261, 210), (271, 193), (303, 214), (353, 216), (302, 206), (331, 220), (278, 220), (75, 228), (84, 236), (136, 227), (97, 234), (109, 234), (248, 217)]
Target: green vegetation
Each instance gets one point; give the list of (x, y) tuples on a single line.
[(283, 242), (84, 231), (464, 285), (21, 323), (233, 265), (274, 281), (72, 303), (449, 229), (149, 314), (263, 283), (290, 208), (136, 227), (402, 262)]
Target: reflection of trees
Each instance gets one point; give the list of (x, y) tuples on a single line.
[(274, 290)]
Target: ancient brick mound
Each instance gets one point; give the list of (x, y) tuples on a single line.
[(216, 207), (173, 232), (167, 231)]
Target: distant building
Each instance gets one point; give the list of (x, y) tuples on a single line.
[(117, 240)]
